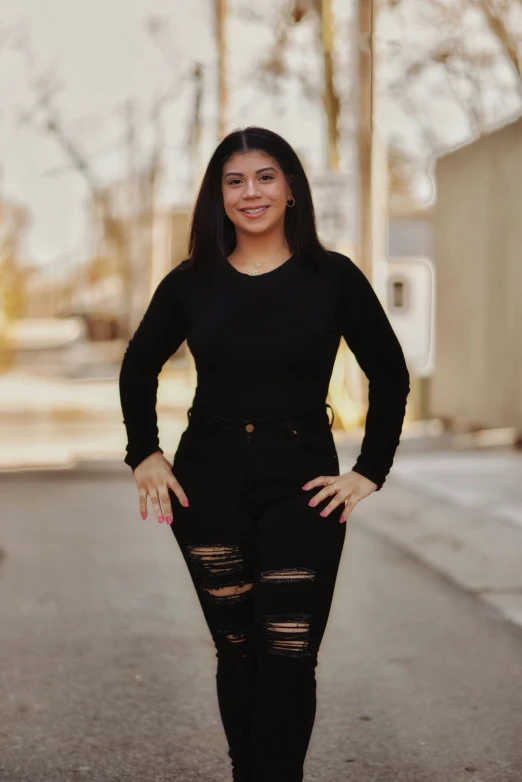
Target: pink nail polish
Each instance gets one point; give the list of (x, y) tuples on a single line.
[(323, 513), (312, 503), (143, 515), (305, 486), (185, 503), (160, 519), (169, 519)]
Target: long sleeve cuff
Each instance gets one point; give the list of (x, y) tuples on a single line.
[(135, 457)]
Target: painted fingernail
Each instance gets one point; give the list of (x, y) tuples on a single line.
[(185, 503), (312, 503), (305, 486), (341, 521), (160, 519), (323, 513), (169, 519), (143, 515)]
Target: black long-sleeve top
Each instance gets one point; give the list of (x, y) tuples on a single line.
[(264, 345)]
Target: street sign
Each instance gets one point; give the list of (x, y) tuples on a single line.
[(333, 194)]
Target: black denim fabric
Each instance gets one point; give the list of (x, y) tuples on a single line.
[(264, 564)]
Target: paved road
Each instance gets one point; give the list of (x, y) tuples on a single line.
[(107, 671)]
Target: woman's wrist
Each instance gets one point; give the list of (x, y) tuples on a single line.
[(135, 458)]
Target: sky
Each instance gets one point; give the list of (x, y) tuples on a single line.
[(102, 55)]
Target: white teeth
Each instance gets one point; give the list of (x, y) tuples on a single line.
[(254, 211)]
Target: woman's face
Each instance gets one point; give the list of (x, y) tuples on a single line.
[(254, 180)]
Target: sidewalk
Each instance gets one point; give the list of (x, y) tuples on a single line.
[(48, 422), (57, 422), (460, 513), (33, 397)]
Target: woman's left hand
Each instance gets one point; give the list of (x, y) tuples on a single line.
[(350, 487)]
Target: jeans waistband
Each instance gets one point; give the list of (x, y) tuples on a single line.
[(317, 414)]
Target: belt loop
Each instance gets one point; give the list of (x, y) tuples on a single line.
[(330, 423)]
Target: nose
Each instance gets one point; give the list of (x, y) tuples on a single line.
[(251, 189)]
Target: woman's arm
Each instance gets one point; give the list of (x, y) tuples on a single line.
[(159, 334), (370, 336)]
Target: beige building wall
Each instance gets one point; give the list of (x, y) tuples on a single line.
[(478, 258)]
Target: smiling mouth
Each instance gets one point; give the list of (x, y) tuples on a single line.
[(254, 211)]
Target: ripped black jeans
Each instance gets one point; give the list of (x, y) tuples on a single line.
[(264, 564)]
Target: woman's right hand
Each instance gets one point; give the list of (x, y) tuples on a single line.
[(153, 478)]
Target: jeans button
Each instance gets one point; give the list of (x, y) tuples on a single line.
[(249, 427)]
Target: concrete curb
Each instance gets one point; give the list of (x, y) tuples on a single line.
[(104, 463), (479, 552)]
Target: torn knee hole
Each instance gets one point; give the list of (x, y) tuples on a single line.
[(288, 635), (288, 575), (229, 593), (235, 638), (216, 559), (236, 645)]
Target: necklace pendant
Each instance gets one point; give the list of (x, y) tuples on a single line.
[(253, 274)]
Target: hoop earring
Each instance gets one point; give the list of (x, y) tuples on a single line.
[(291, 205)]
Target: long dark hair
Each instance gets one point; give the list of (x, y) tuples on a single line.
[(212, 233)]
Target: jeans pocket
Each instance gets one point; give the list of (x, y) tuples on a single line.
[(193, 445), (314, 438), (316, 451)]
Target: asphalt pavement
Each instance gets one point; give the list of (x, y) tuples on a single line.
[(107, 669)]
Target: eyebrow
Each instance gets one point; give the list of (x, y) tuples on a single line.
[(238, 173)]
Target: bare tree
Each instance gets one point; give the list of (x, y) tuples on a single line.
[(14, 221), (463, 54), (281, 65), (129, 236), (190, 73)]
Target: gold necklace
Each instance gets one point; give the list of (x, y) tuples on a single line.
[(257, 265)]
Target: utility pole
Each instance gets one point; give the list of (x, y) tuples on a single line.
[(129, 111), (221, 13), (365, 133), (195, 130), (349, 386), (331, 102), (330, 97)]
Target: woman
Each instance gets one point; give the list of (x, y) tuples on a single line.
[(254, 494)]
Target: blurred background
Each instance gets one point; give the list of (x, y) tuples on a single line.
[(407, 118), (407, 115)]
